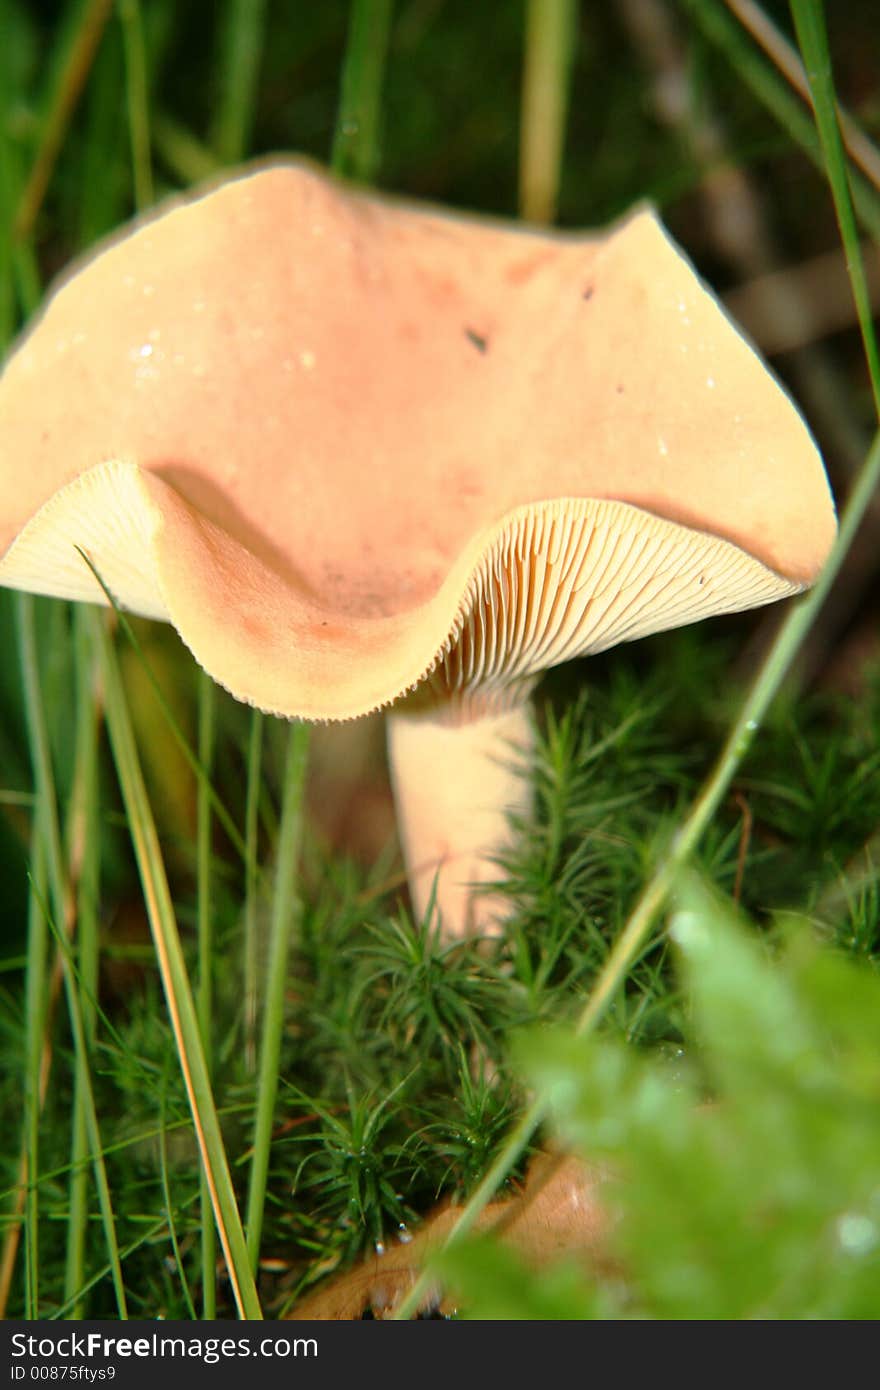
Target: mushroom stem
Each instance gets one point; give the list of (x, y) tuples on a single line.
[(455, 785)]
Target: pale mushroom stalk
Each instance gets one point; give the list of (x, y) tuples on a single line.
[(460, 778)]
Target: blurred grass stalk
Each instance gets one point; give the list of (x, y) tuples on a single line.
[(172, 966), (241, 47), (284, 911), (762, 29), (205, 995), (356, 143), (809, 20), (761, 77), (137, 94), (551, 29), (810, 25), (36, 1078), (60, 903), (83, 856), (67, 81), (251, 963)]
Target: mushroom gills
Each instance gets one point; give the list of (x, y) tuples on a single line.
[(575, 576), (562, 580)]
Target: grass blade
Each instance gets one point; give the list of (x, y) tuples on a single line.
[(550, 38), (776, 46), (72, 77), (35, 1083), (209, 1295), (204, 782), (86, 1092), (252, 879), (175, 982), (83, 857), (48, 866), (809, 22), (283, 915), (356, 143), (63, 909), (204, 998), (237, 74), (137, 97), (761, 76)]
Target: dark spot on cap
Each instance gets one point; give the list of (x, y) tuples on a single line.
[(479, 342), (588, 292), (619, 389)]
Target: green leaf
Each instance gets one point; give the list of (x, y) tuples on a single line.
[(762, 1199), (494, 1284)]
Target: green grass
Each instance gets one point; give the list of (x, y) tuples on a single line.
[(185, 934)]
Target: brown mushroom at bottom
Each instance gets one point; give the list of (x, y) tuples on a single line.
[(559, 1210), (366, 454)]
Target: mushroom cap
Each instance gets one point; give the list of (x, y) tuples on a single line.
[(343, 442)]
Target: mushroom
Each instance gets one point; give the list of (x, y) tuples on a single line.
[(366, 454)]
